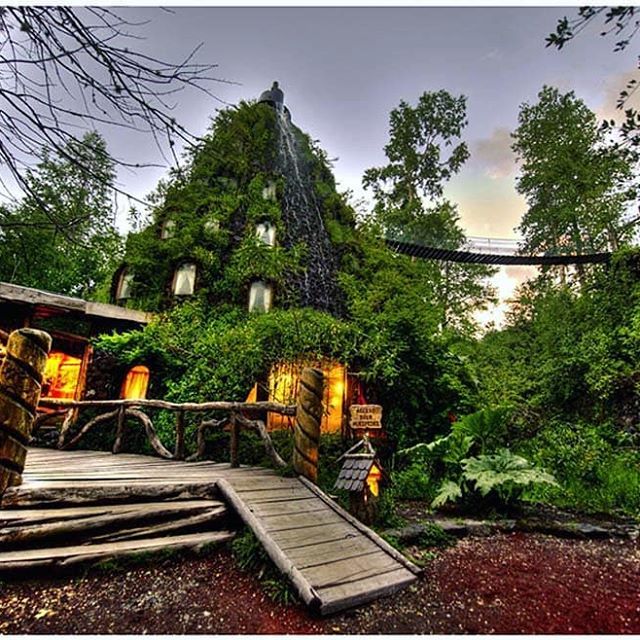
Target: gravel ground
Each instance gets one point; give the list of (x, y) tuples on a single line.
[(512, 583)]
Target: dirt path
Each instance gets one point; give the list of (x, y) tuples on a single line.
[(512, 583)]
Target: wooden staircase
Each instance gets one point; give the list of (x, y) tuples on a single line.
[(52, 532)]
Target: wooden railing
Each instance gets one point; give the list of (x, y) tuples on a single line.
[(123, 409)]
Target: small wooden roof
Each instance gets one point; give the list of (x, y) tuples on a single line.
[(354, 472), (51, 304)]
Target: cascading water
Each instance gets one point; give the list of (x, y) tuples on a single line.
[(316, 285)]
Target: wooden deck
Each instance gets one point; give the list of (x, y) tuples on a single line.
[(334, 561)]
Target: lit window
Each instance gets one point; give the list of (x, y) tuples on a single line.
[(184, 280), (373, 480), (266, 233), (135, 384), (168, 229), (123, 290), (61, 376), (260, 296), (269, 192)]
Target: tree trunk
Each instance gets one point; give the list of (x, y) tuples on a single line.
[(307, 426)]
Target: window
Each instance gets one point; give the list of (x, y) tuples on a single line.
[(269, 192), (260, 296), (168, 229), (61, 376), (266, 233), (184, 279), (135, 384), (123, 290)]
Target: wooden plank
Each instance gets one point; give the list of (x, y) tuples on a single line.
[(313, 535), (356, 593), (250, 496), (9, 558), (34, 515), (329, 551), (281, 508), (349, 570), (308, 595), (372, 535), (293, 521)]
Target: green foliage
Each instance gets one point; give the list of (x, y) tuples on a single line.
[(505, 473), (573, 180), (434, 535), (77, 254), (412, 483), (449, 491)]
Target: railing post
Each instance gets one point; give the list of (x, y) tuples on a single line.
[(117, 445), (20, 385), (307, 424), (178, 452), (233, 444)]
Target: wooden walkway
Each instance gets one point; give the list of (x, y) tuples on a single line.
[(333, 560)]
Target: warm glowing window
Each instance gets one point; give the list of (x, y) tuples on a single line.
[(61, 376), (123, 291), (373, 480), (266, 233), (283, 386), (135, 383), (260, 296), (184, 280)]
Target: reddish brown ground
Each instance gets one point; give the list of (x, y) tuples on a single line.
[(516, 583)]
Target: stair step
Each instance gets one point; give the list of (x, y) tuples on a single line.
[(61, 557)]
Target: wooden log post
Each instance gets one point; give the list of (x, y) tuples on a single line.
[(234, 428), (20, 385), (117, 445), (178, 451), (307, 423)]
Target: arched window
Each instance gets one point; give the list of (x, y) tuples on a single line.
[(135, 383), (168, 229), (184, 280), (123, 288), (260, 296), (266, 233)]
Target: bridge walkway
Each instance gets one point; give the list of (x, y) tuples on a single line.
[(333, 560)]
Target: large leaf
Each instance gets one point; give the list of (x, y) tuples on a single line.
[(448, 491), (493, 472)]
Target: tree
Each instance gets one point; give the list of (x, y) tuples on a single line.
[(409, 201), (573, 179), (622, 23), (34, 253), (62, 68)]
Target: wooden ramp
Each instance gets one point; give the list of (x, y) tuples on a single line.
[(333, 560)]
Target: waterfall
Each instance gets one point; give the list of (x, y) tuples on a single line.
[(316, 285)]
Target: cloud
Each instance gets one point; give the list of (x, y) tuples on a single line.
[(494, 154), (613, 85)]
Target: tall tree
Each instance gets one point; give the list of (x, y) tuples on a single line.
[(573, 179), (80, 254), (409, 202)]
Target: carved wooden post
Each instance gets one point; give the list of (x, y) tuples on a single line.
[(307, 425), (121, 421), (20, 384)]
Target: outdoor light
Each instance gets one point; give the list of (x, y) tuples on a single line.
[(260, 295), (184, 279)]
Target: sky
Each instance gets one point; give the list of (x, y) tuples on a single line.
[(344, 69)]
